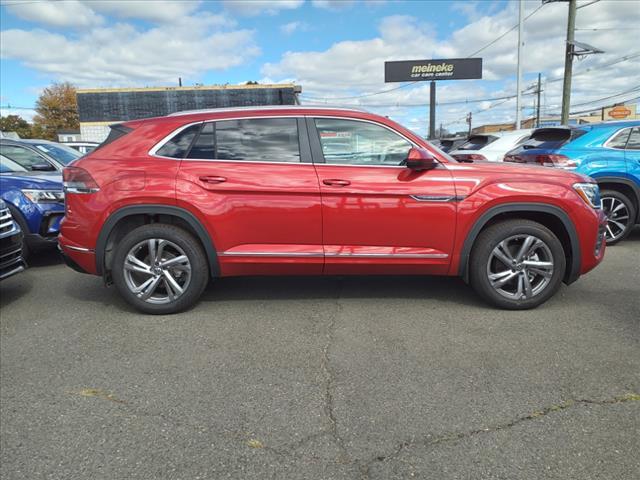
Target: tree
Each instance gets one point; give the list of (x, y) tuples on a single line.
[(15, 123), (56, 109)]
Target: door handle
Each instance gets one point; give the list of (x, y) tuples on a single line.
[(212, 179), (336, 182)]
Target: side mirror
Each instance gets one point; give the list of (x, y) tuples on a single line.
[(420, 159), (42, 167)]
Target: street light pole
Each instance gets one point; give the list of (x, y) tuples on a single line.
[(568, 63), (519, 69)]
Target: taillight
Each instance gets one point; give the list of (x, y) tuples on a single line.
[(555, 160), (469, 157), (78, 180)]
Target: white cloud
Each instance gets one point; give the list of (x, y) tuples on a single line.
[(332, 4), (258, 7), (349, 68), (71, 13), (155, 11), (292, 27), (124, 55)]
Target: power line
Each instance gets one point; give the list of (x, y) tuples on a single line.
[(380, 92)]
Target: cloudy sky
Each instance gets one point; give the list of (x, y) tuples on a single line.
[(334, 49)]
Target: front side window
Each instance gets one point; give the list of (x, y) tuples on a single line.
[(619, 140), (22, 156), (634, 140), (258, 139), (352, 142)]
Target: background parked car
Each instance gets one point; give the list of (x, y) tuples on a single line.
[(490, 147), (11, 261), (608, 152), (448, 144), (38, 155), (36, 202), (82, 147)]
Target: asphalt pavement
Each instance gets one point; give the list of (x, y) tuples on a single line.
[(321, 378)]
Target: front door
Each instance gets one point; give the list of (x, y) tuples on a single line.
[(377, 215), (254, 183)]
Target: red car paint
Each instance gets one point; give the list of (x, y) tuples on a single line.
[(314, 218)]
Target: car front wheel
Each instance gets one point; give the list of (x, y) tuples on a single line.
[(620, 215), (517, 264), (160, 269)]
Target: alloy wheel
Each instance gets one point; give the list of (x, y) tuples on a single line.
[(617, 217), (157, 271), (520, 267)]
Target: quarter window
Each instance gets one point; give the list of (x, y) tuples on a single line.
[(258, 139), (620, 139), (634, 139), (351, 142), (204, 144), (179, 145)]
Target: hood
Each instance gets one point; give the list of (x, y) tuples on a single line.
[(513, 171), (33, 180)]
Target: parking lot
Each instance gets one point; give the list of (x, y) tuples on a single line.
[(354, 377)]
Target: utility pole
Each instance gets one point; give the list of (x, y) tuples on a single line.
[(469, 122), (432, 110), (519, 69), (538, 106), (568, 64)]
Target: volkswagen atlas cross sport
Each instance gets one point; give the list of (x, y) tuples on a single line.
[(164, 204)]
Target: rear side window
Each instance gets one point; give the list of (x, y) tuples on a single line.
[(476, 142), (204, 146), (258, 139), (619, 140), (178, 146), (634, 139)]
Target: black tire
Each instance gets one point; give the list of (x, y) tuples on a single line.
[(19, 219), (199, 269), (482, 252), (629, 222)]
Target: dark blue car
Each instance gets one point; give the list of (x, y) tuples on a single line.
[(36, 202), (609, 152)]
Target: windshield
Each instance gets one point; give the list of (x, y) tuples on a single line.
[(60, 153), (7, 166)]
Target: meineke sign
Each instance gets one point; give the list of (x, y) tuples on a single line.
[(421, 70)]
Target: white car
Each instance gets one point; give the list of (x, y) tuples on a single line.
[(490, 146)]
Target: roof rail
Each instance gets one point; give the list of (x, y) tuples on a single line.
[(266, 107)]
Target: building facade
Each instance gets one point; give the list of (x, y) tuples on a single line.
[(99, 108)]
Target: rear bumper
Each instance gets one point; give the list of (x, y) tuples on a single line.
[(11, 261), (77, 257)]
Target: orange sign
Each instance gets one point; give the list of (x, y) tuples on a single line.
[(619, 112)]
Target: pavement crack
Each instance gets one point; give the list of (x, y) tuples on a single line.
[(365, 467)]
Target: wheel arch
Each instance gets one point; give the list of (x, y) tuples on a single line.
[(115, 227), (624, 186), (550, 216)]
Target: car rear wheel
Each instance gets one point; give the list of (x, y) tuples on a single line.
[(160, 269), (621, 214), (517, 264)]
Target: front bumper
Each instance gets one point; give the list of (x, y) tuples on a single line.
[(11, 261)]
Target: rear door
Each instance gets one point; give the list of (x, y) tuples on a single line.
[(377, 215), (253, 181)]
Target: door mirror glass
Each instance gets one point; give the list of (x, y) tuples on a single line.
[(420, 159)]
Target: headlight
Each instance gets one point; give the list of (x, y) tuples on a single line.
[(44, 196), (590, 193)]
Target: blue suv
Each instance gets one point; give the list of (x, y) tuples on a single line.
[(609, 152), (36, 202)]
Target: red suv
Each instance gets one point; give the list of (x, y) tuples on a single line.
[(165, 204)]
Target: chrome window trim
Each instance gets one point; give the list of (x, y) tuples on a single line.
[(615, 134), (168, 137)]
